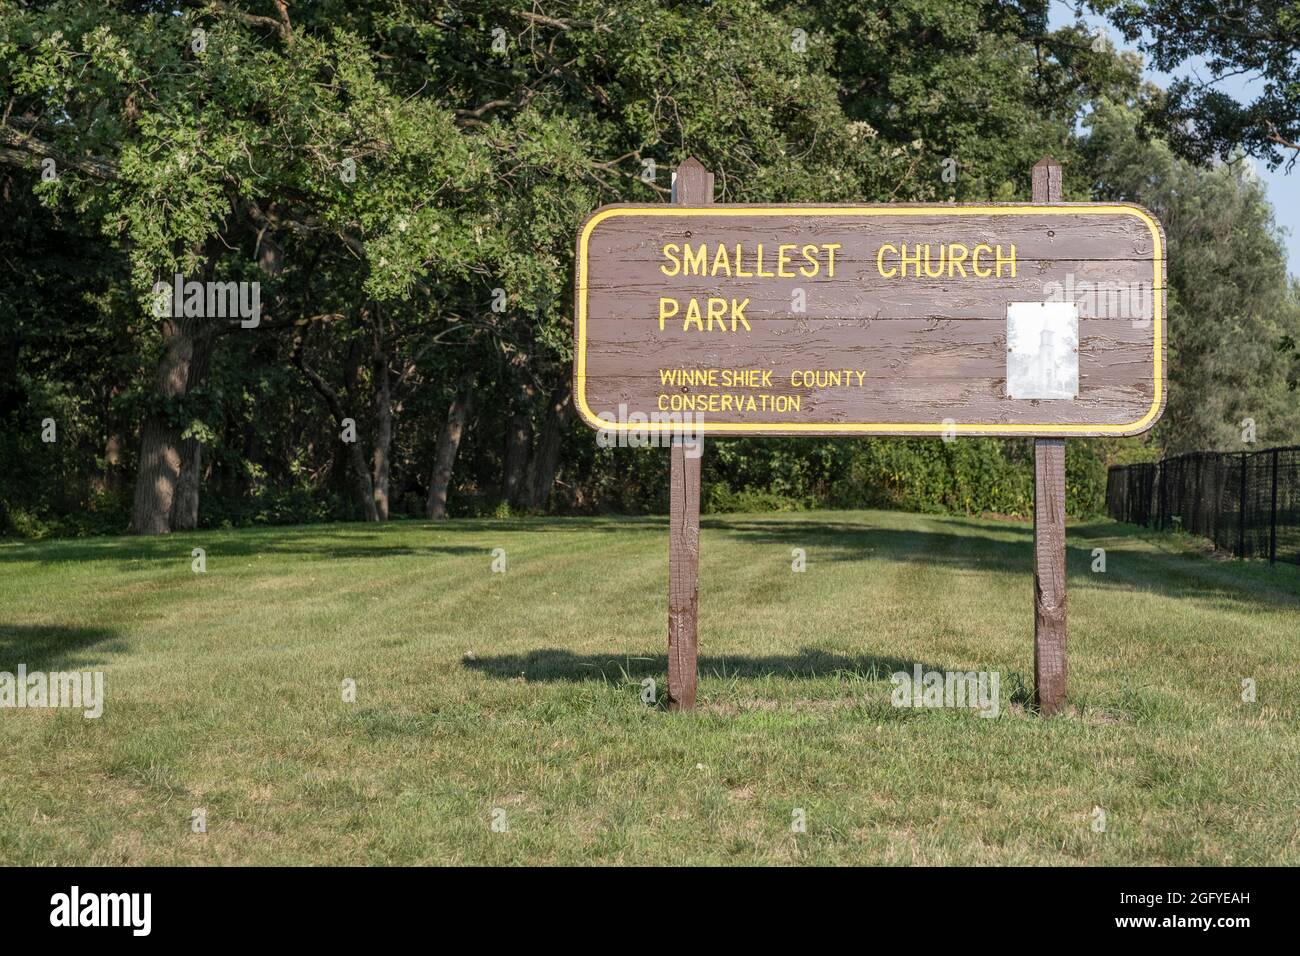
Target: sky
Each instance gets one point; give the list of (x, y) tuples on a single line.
[(1283, 189)]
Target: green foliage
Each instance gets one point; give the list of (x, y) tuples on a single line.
[(1232, 308), (1260, 39), (718, 498), (381, 169), (965, 476), (278, 507), (969, 475)]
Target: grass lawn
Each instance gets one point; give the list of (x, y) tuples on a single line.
[(521, 692)]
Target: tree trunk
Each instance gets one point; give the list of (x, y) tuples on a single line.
[(185, 506), (382, 452), (112, 461), (156, 476), (160, 459), (546, 458), (185, 503), (519, 435), (12, 394), (365, 488), (444, 457), (356, 458), (519, 439), (351, 379)]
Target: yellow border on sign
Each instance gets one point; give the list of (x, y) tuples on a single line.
[(851, 428)]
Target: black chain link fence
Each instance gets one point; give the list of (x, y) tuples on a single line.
[(1247, 503)]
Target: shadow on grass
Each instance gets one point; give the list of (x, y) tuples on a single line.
[(46, 648), (345, 540), (1010, 546), (558, 664), (176, 548), (943, 541)]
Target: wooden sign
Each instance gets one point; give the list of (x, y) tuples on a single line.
[(1018, 319), (1043, 319)]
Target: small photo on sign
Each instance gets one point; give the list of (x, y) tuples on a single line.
[(1042, 350)]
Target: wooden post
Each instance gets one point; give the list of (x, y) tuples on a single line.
[(1272, 521), (694, 187), (1049, 527), (1049, 574), (1162, 499), (1241, 512)]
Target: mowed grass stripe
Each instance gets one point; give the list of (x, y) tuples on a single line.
[(520, 692)]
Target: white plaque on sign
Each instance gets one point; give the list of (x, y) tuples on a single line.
[(1042, 350)]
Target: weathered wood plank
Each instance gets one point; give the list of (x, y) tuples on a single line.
[(962, 363), (1103, 288), (622, 234)]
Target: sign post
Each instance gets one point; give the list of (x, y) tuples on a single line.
[(1040, 320), (692, 185), (1049, 527)]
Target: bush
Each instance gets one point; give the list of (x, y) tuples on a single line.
[(275, 506), (970, 476), (718, 498)]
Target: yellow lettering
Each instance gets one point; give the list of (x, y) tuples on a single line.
[(1010, 260), (975, 261), (880, 261), (914, 260), (812, 258), (693, 261), (670, 253), (723, 258), (693, 315), (782, 260), (664, 314), (740, 272), (738, 314), (955, 259), (717, 309), (830, 248), (942, 253)]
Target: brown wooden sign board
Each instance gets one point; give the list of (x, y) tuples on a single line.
[(871, 319)]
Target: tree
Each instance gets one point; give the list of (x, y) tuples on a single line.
[(403, 181), (211, 141), (1257, 38), (1231, 305)]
